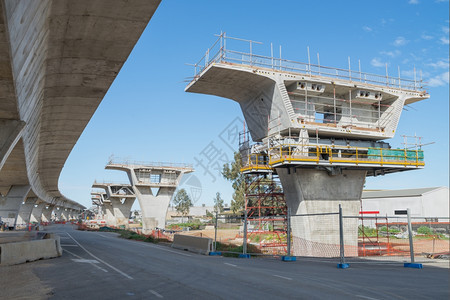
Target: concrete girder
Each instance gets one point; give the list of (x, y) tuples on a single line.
[(57, 60), (10, 133)]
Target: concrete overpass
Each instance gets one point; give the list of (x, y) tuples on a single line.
[(57, 61)]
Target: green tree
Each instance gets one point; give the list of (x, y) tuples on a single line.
[(182, 202), (232, 173), (218, 203)]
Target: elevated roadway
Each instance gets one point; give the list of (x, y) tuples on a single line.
[(57, 61)]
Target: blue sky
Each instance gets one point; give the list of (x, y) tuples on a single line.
[(147, 116)]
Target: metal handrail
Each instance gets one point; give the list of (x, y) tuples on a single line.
[(285, 153), (224, 55)]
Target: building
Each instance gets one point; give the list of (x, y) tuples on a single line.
[(430, 202)]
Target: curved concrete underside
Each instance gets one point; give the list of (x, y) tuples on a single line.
[(57, 61)]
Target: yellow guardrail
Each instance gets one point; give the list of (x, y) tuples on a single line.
[(316, 153)]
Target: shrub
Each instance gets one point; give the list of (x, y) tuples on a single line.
[(425, 230)]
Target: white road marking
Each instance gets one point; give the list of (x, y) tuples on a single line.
[(365, 297), (104, 262), (79, 257), (67, 245), (287, 278), (106, 237), (82, 260), (230, 265), (163, 248), (156, 293)]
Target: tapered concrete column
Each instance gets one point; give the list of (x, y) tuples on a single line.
[(10, 133), (312, 191), (154, 185), (65, 215), (121, 197), (10, 204), (122, 210), (36, 213), (25, 212), (58, 212), (47, 213), (154, 206), (109, 214)]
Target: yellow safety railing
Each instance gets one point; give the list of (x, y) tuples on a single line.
[(255, 161), (316, 153)]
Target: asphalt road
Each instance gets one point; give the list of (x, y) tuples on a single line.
[(99, 265)]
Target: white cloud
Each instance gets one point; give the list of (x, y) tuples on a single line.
[(367, 29), (444, 40), (426, 37), (441, 64), (376, 62), (439, 80), (445, 29), (400, 41), (413, 2), (409, 74), (391, 53)]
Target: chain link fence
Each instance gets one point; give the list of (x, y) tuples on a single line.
[(347, 238)]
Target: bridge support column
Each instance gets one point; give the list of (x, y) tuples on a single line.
[(110, 219), (10, 204), (47, 213), (313, 191), (25, 212), (121, 210), (58, 212), (64, 214), (36, 213), (154, 207)]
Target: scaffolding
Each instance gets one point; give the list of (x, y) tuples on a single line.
[(266, 213), (265, 207)]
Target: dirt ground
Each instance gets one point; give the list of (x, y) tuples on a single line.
[(19, 282), (222, 235)]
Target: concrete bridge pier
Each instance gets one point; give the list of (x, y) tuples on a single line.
[(11, 203), (36, 213), (154, 207), (313, 191), (110, 219), (122, 210), (64, 214), (121, 198), (25, 212), (47, 213), (154, 185), (58, 212)]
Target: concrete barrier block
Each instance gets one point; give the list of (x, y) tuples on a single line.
[(195, 244), (21, 252)]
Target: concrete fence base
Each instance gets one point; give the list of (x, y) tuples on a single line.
[(192, 243), (21, 252)]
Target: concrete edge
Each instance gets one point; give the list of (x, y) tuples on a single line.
[(27, 251)]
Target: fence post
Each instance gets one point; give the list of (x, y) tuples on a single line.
[(214, 250), (215, 233), (412, 264), (244, 240), (244, 244), (341, 264), (288, 239)]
